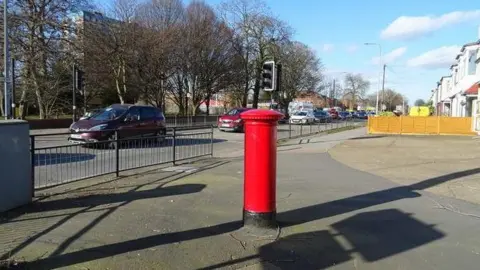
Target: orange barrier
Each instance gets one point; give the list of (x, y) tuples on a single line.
[(431, 125)]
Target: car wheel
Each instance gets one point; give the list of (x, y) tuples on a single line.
[(109, 142)]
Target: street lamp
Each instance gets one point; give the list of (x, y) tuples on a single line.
[(380, 62)]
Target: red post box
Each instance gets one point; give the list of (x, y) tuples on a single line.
[(260, 167)]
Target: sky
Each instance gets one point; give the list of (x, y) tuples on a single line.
[(419, 39)]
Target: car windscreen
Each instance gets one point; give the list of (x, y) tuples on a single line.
[(108, 114), (320, 114), (301, 114), (235, 112)]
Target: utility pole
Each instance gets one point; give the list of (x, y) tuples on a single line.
[(333, 93), (383, 86), (6, 61)]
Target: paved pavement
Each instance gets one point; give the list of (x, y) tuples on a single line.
[(408, 160), (57, 161), (331, 217)]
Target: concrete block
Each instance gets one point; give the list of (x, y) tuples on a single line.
[(15, 170)]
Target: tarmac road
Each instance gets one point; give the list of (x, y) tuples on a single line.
[(58, 161)]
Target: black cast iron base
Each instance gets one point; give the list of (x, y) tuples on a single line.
[(260, 220)]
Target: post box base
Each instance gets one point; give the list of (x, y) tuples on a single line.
[(260, 220)]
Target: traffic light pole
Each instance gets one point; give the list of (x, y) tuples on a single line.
[(6, 61), (74, 93), (14, 114)]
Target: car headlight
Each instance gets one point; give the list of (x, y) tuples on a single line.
[(99, 127), (238, 121)]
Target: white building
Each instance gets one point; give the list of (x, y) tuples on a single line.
[(455, 94)]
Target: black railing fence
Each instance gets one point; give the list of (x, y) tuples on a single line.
[(55, 161)]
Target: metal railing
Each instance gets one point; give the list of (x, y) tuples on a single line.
[(289, 130), (56, 161), (198, 120)]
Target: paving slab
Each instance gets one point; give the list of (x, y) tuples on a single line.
[(331, 216), (410, 159)]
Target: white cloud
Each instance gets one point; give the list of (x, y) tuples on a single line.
[(328, 47), (406, 27), (352, 48), (441, 57), (390, 57)]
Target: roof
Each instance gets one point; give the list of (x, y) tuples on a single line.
[(454, 65), (473, 90), (465, 46), (470, 44)]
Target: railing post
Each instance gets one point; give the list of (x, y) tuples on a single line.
[(32, 161), (301, 130), (175, 121), (310, 128), (117, 155), (174, 143), (211, 142), (289, 129)]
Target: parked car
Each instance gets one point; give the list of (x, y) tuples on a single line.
[(333, 113), (344, 115), (302, 117), (231, 121), (322, 117), (129, 120), (360, 115), (90, 114)]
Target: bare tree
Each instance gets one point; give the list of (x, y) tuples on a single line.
[(256, 33), (240, 16), (301, 71), (110, 45), (39, 42), (160, 22), (207, 61), (355, 88)]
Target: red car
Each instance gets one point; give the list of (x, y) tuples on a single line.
[(333, 113), (231, 121)]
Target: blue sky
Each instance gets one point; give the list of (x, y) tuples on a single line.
[(419, 39)]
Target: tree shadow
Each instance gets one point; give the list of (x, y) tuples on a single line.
[(87, 203), (353, 229), (105, 199), (60, 158)]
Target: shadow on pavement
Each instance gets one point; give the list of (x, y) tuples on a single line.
[(364, 231), (60, 158), (105, 199), (374, 235), (87, 203)]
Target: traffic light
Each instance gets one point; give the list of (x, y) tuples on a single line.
[(80, 79), (268, 76)]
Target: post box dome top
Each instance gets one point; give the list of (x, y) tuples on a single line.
[(259, 114)]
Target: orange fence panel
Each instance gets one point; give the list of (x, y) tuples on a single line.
[(430, 125)]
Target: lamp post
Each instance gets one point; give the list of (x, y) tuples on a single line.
[(380, 62)]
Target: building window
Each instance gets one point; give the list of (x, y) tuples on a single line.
[(472, 66)]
